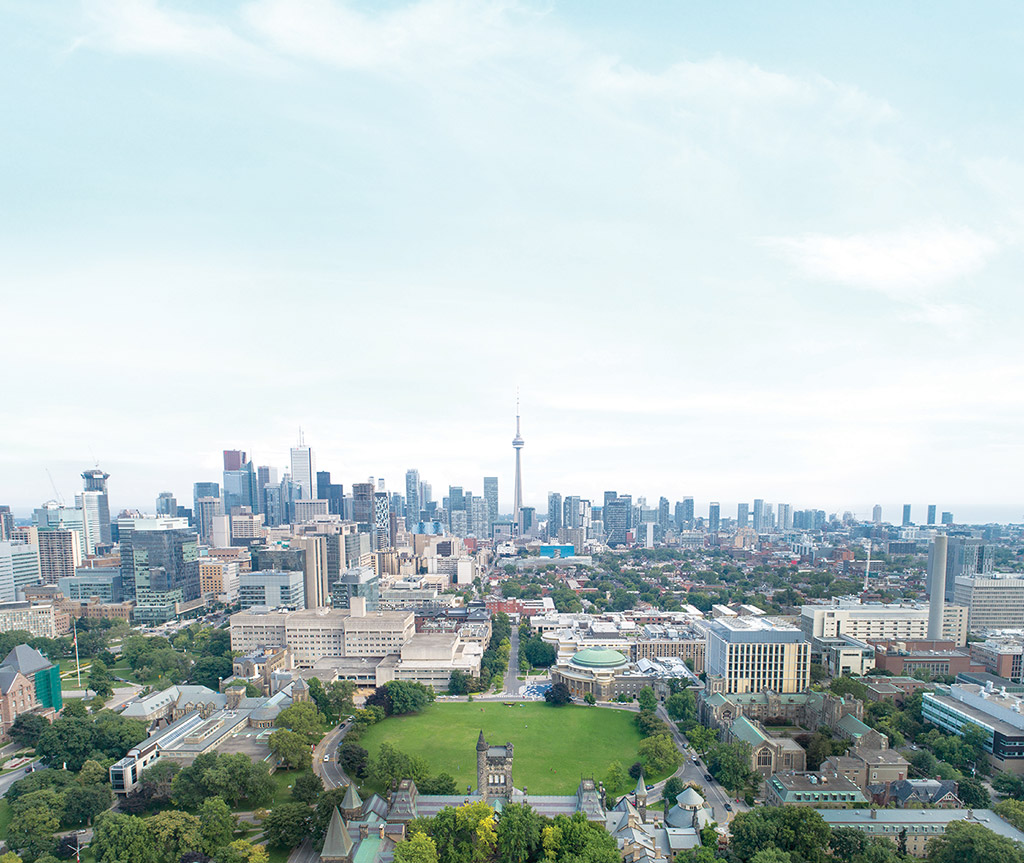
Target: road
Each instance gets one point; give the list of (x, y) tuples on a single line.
[(122, 695), (305, 853), (329, 771), (512, 684), (9, 779)]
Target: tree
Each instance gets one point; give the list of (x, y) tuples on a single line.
[(407, 696), (682, 706), (92, 773), (27, 729), (1012, 811), (1005, 783), (973, 794), (74, 708), (67, 741), (558, 694), (84, 804), (647, 699), (303, 719), (636, 770), (589, 698), (845, 842), (216, 824), (418, 848), (648, 724), (175, 832), (701, 737), (101, 681), (658, 753), (287, 824), (290, 748), (616, 780), (795, 829), (518, 833), (846, 685), (307, 788), (33, 825), (443, 783), (353, 759), (458, 683), (729, 763), (118, 837), (209, 671), (673, 788), (242, 851), (771, 854), (963, 841)]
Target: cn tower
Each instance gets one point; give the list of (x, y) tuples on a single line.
[(518, 443)]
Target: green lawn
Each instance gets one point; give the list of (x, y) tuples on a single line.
[(554, 746)]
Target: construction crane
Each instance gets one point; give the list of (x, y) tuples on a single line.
[(57, 494)]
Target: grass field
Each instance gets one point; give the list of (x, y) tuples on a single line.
[(554, 746)]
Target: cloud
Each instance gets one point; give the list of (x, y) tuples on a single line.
[(146, 27), (904, 264)]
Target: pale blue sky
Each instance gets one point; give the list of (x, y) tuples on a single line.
[(728, 250)]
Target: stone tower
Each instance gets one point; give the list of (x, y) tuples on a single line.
[(493, 770)]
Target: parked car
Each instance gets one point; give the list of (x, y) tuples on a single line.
[(728, 807), (709, 777)]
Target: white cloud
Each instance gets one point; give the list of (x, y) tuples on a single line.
[(904, 264)]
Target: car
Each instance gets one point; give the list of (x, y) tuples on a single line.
[(709, 777), (728, 807), (695, 759), (650, 787), (327, 758)]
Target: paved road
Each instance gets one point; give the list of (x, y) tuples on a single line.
[(329, 771), (305, 853), (512, 684), (9, 779)]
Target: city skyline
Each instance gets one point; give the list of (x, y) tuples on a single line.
[(762, 249)]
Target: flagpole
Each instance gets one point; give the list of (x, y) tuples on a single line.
[(78, 663)]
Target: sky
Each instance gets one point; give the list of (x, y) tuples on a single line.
[(722, 250)]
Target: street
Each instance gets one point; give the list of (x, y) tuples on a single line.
[(512, 684), (329, 771)]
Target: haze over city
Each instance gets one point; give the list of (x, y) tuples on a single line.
[(722, 254)]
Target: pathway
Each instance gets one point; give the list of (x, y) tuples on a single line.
[(512, 684)]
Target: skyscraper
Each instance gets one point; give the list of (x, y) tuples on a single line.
[(165, 544), (166, 504), (554, 514), (362, 502), (491, 496), (758, 514), (663, 514), (382, 519), (876, 513), (234, 459), (517, 500), (906, 515), (6, 524), (714, 517), (687, 512), (333, 493), (412, 497), (96, 480), (265, 475), (785, 516), (742, 514), (931, 513), (303, 464), (618, 519)]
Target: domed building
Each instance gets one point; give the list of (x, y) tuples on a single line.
[(593, 671)]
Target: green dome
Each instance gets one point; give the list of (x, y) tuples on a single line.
[(599, 657)]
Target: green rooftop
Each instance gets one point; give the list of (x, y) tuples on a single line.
[(599, 657)]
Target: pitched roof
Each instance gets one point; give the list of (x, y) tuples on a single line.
[(337, 844), (743, 729), (641, 789), (352, 799), (26, 659)]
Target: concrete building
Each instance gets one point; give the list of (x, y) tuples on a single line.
[(992, 602), (60, 554), (39, 619), (272, 589), (869, 621), (904, 658), (359, 581), (308, 510), (751, 654), (303, 465), (219, 579), (19, 568), (103, 583), (999, 714), (316, 633), (1002, 655)]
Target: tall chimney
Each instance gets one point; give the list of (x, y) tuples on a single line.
[(936, 586)]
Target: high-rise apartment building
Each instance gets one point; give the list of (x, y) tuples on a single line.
[(19, 568), (554, 514), (96, 480), (785, 516), (480, 523), (947, 518), (91, 503), (54, 516), (906, 515), (491, 496), (742, 514), (966, 556), (931, 513), (876, 513), (412, 497), (382, 521), (303, 464), (6, 523), (714, 517), (758, 515), (618, 519), (688, 518), (60, 553), (749, 654)]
